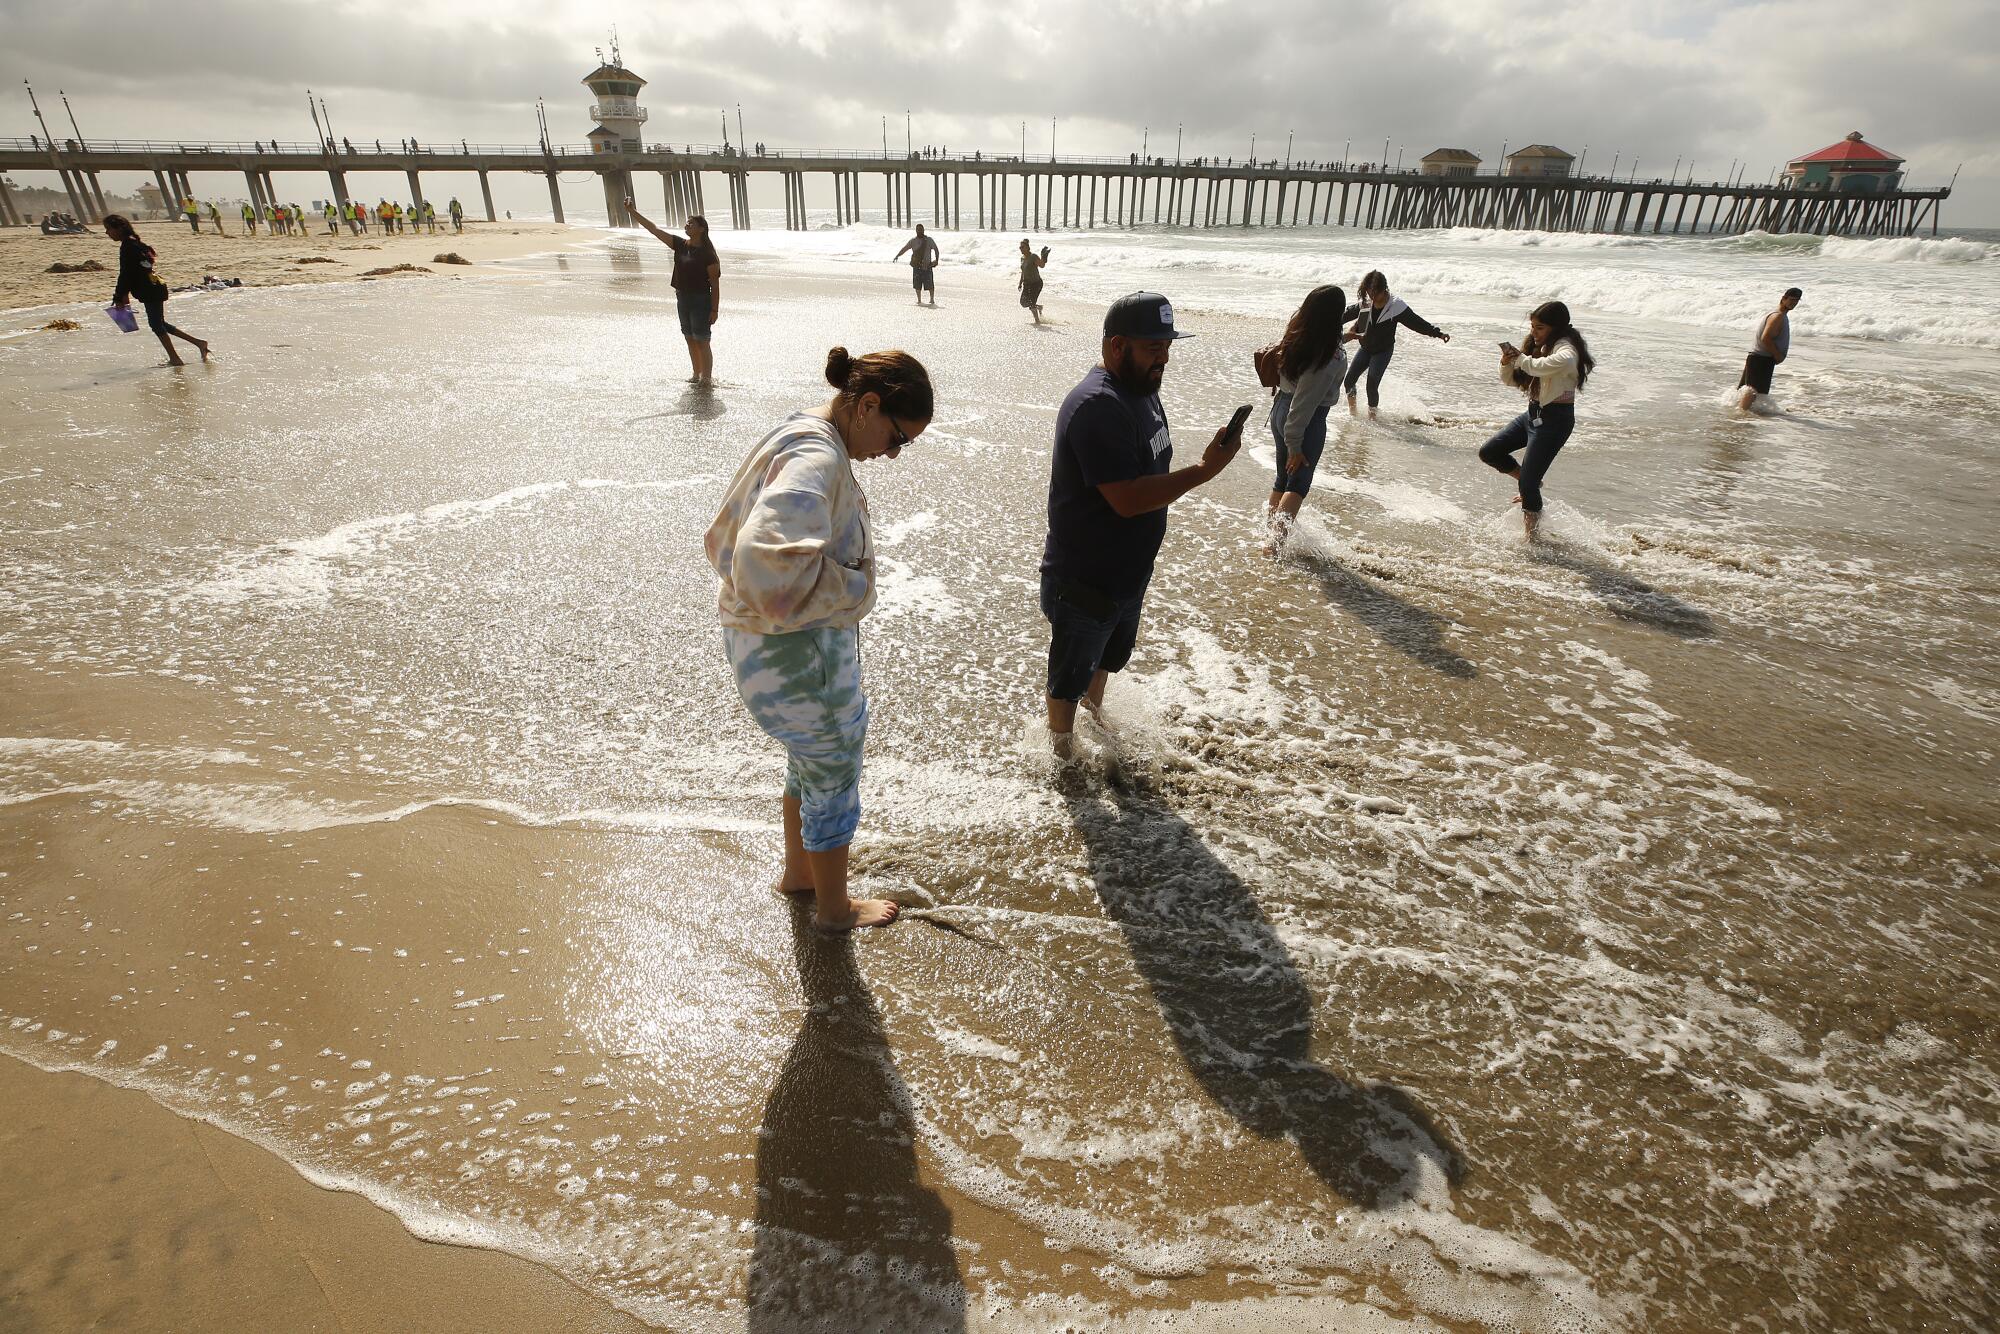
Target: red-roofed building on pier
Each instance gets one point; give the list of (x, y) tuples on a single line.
[(1853, 166)]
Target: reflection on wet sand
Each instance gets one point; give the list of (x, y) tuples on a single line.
[(847, 1237), (1237, 1006)]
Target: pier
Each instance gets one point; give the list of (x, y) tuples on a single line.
[(981, 192)]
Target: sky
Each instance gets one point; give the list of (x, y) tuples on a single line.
[(1705, 82)]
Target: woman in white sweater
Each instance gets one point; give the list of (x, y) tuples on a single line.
[(1310, 364), (792, 549), (1551, 365)]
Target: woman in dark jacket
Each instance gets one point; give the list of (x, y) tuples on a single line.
[(137, 280), (1375, 317)]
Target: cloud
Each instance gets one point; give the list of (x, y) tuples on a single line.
[(1707, 81)]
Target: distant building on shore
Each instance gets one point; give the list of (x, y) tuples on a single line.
[(1451, 162), (1852, 166), (1539, 160)]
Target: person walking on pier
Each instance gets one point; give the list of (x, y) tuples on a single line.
[(1772, 345), (923, 253), (697, 286), (1111, 479), (1311, 361), (1031, 278), (137, 279), (1375, 317), (1552, 365), (795, 557)]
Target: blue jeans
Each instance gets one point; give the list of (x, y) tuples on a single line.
[(1310, 445), (694, 313), (1543, 429), (1374, 363), (1089, 633)]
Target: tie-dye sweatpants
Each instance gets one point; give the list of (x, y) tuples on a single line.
[(804, 689)]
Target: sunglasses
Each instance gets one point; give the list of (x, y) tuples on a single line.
[(896, 437)]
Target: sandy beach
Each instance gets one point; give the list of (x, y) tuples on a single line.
[(260, 261), (1438, 936)]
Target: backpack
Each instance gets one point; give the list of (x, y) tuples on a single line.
[(1266, 360)]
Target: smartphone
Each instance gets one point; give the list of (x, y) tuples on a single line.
[(1235, 430)]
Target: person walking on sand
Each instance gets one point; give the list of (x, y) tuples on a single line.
[(1031, 278), (137, 279), (1551, 364), (1311, 361), (1375, 316), (697, 284), (1111, 479), (192, 212), (923, 253), (249, 219), (457, 215), (795, 557), (332, 219), (1771, 346), (215, 216)]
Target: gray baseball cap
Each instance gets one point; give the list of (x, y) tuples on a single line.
[(1141, 315)]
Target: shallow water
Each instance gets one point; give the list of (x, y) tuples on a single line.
[(1594, 935)]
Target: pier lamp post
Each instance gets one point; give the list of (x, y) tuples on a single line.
[(1399, 158), (1052, 138), (1383, 165), (1580, 159), (1253, 148), (741, 141), (1145, 135), (1635, 170), (1614, 163), (909, 144), (1346, 153), (1177, 145), (1675, 172), (885, 138), (1288, 148), (47, 133), (81, 142)]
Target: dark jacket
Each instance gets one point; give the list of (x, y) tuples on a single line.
[(1378, 327), (135, 275)]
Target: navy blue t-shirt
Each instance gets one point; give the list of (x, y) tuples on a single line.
[(1104, 434)]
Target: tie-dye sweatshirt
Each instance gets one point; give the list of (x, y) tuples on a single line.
[(791, 543)]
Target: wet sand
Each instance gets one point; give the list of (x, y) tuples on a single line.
[(122, 1215), (1442, 939), (260, 261)]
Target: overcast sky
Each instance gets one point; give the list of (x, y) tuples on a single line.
[(1709, 81)]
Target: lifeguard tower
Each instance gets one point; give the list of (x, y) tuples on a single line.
[(619, 120)]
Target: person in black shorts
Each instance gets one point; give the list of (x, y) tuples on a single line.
[(1111, 479), (1771, 346), (697, 288), (136, 279)]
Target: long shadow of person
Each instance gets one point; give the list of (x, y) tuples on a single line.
[(847, 1238), (1237, 1007), (1625, 595), (1403, 625)]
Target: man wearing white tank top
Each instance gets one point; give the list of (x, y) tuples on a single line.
[(1772, 344)]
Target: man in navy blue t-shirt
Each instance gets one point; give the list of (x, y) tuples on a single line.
[(1110, 482)]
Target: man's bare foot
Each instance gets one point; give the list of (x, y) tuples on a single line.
[(860, 912)]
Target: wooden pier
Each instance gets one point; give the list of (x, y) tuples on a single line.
[(998, 194)]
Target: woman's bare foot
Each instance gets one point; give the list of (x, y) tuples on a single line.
[(787, 891), (173, 360), (1352, 409), (860, 912), (202, 343)]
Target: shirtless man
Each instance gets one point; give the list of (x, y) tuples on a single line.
[(1774, 341), (923, 253)]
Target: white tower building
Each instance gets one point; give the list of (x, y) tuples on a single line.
[(619, 120)]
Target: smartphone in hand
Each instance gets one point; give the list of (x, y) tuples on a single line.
[(1235, 429)]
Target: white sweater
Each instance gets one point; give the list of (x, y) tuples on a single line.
[(1555, 374)]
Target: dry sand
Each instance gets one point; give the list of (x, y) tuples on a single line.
[(260, 261)]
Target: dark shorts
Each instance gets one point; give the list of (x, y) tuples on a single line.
[(156, 314), (693, 307), (1757, 370), (921, 279), (1031, 296), (1089, 633)]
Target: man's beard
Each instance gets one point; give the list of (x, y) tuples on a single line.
[(1135, 381)]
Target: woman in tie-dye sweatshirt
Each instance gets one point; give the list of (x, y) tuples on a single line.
[(797, 567)]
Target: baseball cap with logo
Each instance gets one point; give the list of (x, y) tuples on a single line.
[(1141, 315)]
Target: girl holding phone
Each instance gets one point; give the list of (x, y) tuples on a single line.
[(1551, 365)]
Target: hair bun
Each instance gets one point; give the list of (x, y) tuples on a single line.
[(839, 365)]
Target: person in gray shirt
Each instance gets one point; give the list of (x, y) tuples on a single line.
[(923, 253), (1311, 363), (1772, 345)]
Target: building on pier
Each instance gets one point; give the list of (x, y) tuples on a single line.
[(1852, 166), (620, 121), (1451, 162), (1543, 161)]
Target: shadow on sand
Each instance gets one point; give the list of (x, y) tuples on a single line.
[(1237, 1006), (699, 401), (847, 1238), (1403, 625), (1625, 595)]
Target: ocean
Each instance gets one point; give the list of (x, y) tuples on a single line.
[(1438, 930)]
